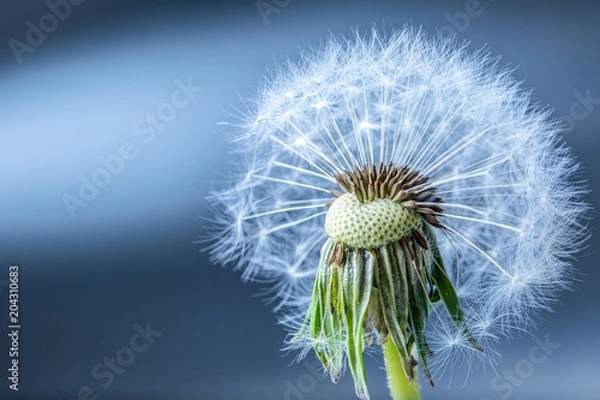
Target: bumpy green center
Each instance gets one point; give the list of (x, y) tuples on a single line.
[(368, 225)]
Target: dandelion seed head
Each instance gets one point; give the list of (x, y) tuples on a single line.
[(512, 216)]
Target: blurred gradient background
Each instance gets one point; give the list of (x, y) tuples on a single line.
[(81, 92)]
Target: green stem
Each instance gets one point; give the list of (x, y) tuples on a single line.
[(400, 387)]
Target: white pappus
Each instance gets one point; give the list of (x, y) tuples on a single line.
[(490, 177)]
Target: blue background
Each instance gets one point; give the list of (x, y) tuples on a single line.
[(128, 257)]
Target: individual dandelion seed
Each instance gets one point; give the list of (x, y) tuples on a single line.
[(401, 191)]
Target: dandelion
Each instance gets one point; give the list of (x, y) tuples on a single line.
[(400, 192)]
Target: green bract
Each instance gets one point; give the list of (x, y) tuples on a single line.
[(379, 273)]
